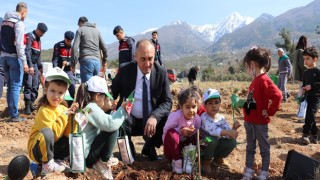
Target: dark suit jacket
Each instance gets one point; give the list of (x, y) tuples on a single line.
[(125, 81)]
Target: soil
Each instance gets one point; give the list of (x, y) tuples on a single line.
[(284, 135)]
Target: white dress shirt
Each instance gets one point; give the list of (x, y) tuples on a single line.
[(137, 110)]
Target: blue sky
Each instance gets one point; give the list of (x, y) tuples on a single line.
[(136, 16)]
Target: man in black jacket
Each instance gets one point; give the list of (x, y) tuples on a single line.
[(152, 96), (157, 57)]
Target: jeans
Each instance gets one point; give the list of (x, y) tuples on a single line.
[(1, 79), (89, 68), (13, 70)]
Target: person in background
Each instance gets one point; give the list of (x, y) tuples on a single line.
[(157, 57), (263, 101), (284, 68), (62, 53), (192, 76), (31, 79), (311, 89), (152, 98), (215, 127), (298, 62), (13, 57), (48, 142), (89, 41), (126, 46)]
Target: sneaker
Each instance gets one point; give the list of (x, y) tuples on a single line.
[(263, 175), (220, 162), (305, 139), (113, 161), (17, 119), (103, 169), (51, 167), (35, 169), (177, 166), (187, 166), (248, 174), (313, 139)]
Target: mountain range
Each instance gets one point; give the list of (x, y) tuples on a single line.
[(236, 33)]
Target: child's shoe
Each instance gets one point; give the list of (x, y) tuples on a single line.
[(51, 167), (248, 174), (263, 175), (206, 167), (220, 162), (305, 139), (103, 169), (113, 161), (177, 166)]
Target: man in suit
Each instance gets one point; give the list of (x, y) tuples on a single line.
[(152, 96)]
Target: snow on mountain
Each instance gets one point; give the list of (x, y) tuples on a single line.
[(148, 30), (214, 32), (230, 24)]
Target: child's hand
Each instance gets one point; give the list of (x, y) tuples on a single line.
[(73, 108), (307, 88), (265, 113), (236, 125), (124, 104), (233, 134), (187, 131)]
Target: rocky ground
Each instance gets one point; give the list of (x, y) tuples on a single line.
[(284, 135)]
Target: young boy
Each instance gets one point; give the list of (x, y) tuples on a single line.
[(311, 88), (221, 138)]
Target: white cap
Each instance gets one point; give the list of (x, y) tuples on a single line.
[(210, 94), (57, 74), (99, 85)]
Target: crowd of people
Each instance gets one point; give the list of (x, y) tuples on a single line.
[(141, 73)]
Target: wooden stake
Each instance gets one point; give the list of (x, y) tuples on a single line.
[(198, 146)]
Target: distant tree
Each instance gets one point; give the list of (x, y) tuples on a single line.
[(231, 70), (287, 45), (207, 73)]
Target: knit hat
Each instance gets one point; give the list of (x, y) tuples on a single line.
[(57, 74), (99, 85), (69, 35), (42, 27), (210, 94), (117, 29)]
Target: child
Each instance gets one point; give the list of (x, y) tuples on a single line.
[(311, 86), (201, 108), (180, 128), (263, 100), (284, 68), (48, 141), (101, 132), (214, 127)]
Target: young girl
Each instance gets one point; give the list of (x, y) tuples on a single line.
[(48, 141), (180, 128), (101, 132), (263, 100), (214, 127)]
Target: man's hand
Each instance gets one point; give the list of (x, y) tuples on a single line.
[(31, 71), (307, 88), (150, 128), (25, 68), (65, 63)]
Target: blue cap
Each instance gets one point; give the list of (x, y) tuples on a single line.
[(42, 27), (69, 35), (117, 29)]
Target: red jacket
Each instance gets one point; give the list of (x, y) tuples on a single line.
[(263, 91)]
